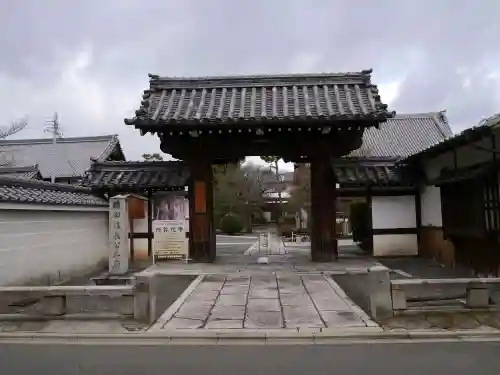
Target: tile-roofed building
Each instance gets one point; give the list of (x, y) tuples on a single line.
[(404, 135), (485, 127), (137, 176), (30, 172), (18, 190), (194, 101), (356, 172), (67, 160), (400, 137)]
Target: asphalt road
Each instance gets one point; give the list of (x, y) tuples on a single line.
[(475, 358)]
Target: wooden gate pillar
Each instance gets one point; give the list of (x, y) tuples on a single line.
[(323, 211), (201, 215)]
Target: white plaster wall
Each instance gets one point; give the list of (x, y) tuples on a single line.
[(393, 213), (39, 245), (430, 202)]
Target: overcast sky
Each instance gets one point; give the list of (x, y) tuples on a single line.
[(89, 59)]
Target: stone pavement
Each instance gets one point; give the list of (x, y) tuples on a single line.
[(267, 244), (266, 302), (233, 260)]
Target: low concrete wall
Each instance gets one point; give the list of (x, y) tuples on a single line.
[(477, 293), (52, 302), (145, 300), (370, 290)]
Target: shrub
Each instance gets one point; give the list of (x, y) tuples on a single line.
[(361, 225), (231, 224), (286, 225)]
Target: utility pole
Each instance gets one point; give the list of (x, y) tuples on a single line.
[(54, 128)]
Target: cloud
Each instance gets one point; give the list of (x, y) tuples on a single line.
[(89, 60)]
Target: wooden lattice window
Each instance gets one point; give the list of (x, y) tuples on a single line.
[(492, 204)]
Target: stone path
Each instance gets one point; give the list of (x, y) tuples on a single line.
[(267, 302), (231, 261), (267, 244)]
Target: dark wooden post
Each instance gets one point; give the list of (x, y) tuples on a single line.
[(323, 211), (370, 218), (201, 215), (150, 225)]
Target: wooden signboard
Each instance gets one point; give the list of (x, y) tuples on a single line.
[(170, 241)]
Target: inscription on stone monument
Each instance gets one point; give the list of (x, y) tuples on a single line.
[(118, 233)]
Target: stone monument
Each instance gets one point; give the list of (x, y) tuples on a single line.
[(119, 243)]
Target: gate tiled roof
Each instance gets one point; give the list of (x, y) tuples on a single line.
[(269, 98)]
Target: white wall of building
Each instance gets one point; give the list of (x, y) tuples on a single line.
[(430, 201), (49, 244), (394, 212)]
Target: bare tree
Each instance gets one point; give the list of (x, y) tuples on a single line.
[(14, 127), (6, 131)]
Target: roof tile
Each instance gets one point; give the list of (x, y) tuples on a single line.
[(137, 175), (485, 126), (172, 100), (70, 157), (15, 190), (29, 172), (354, 172), (404, 135)]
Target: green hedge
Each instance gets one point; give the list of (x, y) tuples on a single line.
[(361, 221), (231, 224)]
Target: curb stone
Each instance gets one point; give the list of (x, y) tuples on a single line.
[(198, 336)]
